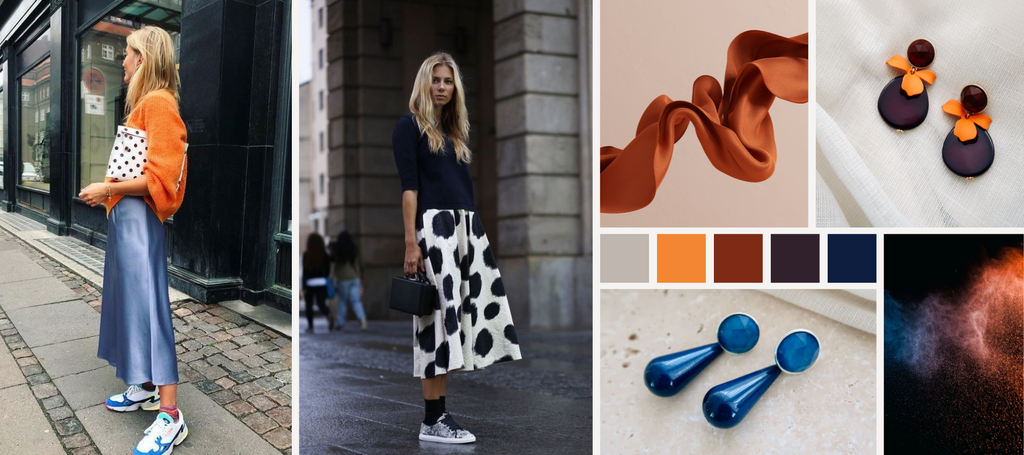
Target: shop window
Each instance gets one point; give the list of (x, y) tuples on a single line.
[(102, 89), (35, 134)]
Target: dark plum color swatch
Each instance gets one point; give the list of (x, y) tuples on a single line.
[(795, 258)]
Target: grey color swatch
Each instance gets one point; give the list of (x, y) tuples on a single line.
[(625, 258)]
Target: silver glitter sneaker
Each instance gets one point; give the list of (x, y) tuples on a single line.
[(445, 431)]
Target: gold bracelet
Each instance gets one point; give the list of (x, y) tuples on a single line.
[(108, 191)]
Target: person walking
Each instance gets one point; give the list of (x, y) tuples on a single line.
[(471, 326), (316, 270), (136, 335), (348, 276)]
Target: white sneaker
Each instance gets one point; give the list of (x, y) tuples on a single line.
[(445, 431), (162, 435), (136, 397)]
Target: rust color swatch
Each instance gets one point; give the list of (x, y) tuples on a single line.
[(681, 258), (738, 258), (732, 122)]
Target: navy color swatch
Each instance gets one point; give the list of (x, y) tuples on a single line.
[(851, 258)]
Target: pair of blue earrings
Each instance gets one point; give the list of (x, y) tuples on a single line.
[(725, 405)]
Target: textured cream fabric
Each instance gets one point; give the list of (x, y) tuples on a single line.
[(853, 308), (871, 175)]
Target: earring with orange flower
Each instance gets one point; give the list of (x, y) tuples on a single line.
[(968, 150), (903, 103)]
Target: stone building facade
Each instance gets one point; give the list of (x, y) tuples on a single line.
[(526, 68)]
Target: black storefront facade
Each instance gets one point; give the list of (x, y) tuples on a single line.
[(62, 95)]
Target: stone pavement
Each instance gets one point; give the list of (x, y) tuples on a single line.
[(235, 389), (359, 396)]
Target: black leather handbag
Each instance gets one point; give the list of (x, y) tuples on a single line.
[(414, 295)]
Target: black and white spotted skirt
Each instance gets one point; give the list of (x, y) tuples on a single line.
[(471, 326)]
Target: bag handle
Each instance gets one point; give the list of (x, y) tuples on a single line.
[(419, 277)]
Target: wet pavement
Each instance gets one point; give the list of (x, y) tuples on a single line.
[(358, 394)]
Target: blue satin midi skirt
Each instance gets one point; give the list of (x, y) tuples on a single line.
[(136, 334)]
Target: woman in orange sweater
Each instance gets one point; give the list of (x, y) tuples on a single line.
[(136, 335)]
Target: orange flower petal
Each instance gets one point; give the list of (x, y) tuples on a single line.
[(965, 130), (981, 120), (899, 62), (953, 107), (912, 84), (927, 76)]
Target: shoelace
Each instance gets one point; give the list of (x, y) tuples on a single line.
[(133, 389), (158, 428), (449, 422)]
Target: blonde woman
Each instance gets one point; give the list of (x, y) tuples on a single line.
[(136, 335), (471, 326)]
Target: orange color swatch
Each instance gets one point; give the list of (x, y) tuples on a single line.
[(681, 258), (739, 258)]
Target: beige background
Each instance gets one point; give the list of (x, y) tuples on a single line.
[(651, 48), (828, 409)]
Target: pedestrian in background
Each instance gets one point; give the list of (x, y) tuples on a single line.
[(471, 327), (316, 270), (348, 276), (136, 334)]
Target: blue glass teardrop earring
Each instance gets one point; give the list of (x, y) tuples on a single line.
[(903, 103), (727, 404), (667, 375)]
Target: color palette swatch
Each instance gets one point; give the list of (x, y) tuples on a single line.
[(852, 258), (795, 258), (681, 258), (739, 258), (625, 258)]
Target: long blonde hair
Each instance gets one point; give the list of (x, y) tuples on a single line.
[(158, 69), (454, 117)]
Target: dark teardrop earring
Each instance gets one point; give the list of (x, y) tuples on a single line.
[(903, 103), (968, 150)]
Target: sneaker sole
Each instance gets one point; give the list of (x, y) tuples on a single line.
[(429, 438), (135, 407)]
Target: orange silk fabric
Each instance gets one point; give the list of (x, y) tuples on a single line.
[(733, 127)]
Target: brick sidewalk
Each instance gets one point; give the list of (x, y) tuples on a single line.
[(242, 366)]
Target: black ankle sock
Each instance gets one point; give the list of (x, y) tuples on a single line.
[(433, 411), (443, 410), (148, 386)]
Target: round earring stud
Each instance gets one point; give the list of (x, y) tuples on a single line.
[(797, 351), (665, 376)]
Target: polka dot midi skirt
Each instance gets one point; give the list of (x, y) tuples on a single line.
[(471, 326)]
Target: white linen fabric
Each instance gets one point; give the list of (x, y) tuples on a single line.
[(868, 174), (855, 308)]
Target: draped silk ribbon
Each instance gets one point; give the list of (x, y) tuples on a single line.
[(733, 126)]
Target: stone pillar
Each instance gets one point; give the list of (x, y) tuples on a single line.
[(540, 197)]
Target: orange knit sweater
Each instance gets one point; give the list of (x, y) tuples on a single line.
[(157, 115)]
